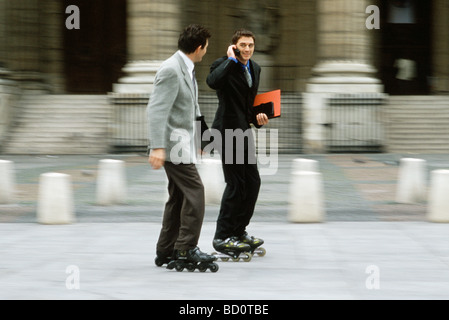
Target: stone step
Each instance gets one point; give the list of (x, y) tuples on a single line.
[(65, 97), (55, 118), (66, 136), (399, 112), (61, 124), (417, 124), (69, 108), (393, 135), (60, 128), (55, 150), (420, 99)]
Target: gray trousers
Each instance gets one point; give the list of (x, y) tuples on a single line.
[(184, 210)]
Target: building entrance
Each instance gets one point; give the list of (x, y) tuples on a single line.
[(405, 51), (95, 53)]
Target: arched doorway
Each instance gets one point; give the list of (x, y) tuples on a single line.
[(95, 54)]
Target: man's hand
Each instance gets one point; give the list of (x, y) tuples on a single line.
[(231, 53), (262, 119), (157, 158)]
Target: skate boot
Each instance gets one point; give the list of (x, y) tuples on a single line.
[(162, 258), (254, 243), (193, 259), (233, 248)]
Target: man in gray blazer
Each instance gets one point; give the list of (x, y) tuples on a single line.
[(172, 113)]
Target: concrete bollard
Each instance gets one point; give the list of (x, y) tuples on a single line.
[(55, 201), (301, 164), (111, 182), (411, 187), (7, 182), (211, 173), (438, 206), (306, 197)]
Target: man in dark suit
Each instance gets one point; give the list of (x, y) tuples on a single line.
[(235, 78)]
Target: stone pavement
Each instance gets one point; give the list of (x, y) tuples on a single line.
[(369, 247)]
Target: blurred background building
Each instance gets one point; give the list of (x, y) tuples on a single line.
[(83, 90)]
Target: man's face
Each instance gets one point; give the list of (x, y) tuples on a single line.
[(246, 47), (201, 52)]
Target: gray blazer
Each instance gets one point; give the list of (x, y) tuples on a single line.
[(172, 112)]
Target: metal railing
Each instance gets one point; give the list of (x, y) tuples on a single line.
[(355, 123), (129, 127)]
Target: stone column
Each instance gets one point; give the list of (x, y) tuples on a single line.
[(8, 89), (344, 63), (3, 38), (344, 49), (153, 31), (22, 50)]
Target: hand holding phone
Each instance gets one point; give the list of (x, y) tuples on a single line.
[(233, 52)]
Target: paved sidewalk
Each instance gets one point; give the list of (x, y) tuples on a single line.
[(332, 260), (369, 247)]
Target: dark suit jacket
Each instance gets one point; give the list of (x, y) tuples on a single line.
[(236, 98)]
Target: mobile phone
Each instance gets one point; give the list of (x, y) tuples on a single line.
[(237, 52)]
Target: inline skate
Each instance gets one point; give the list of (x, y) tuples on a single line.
[(254, 243), (232, 248), (162, 258), (191, 260)]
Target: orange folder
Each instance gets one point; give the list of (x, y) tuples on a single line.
[(269, 103)]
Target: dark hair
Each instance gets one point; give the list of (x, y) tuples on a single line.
[(242, 33), (192, 37)]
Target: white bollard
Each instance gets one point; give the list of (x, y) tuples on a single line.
[(111, 182), (301, 164), (7, 182), (438, 207), (55, 201), (306, 197), (411, 187), (211, 173)]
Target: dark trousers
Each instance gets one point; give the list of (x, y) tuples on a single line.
[(239, 199), (184, 210)]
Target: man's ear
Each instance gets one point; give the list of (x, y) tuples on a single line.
[(199, 49)]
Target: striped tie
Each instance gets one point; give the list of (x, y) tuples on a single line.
[(194, 82), (248, 77)]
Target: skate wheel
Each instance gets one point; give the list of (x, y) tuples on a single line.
[(214, 267), (191, 267), (179, 268), (224, 259), (171, 265), (248, 257), (158, 262), (236, 259), (261, 252), (202, 268)]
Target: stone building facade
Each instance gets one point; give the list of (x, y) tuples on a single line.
[(297, 40), (304, 46)]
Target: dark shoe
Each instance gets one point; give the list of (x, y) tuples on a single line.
[(194, 255), (163, 258), (230, 245), (251, 241)]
